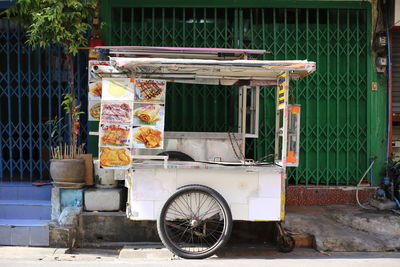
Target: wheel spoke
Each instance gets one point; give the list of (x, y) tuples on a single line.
[(183, 233), (170, 223), (189, 204), (198, 204), (176, 214), (176, 209), (201, 206), (211, 206), (186, 215), (214, 212)]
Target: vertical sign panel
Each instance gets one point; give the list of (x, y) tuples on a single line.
[(282, 85)]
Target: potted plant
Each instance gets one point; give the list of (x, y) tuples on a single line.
[(66, 23), (67, 164)]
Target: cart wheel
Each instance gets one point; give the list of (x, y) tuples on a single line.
[(286, 243), (195, 222)]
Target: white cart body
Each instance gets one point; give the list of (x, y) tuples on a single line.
[(252, 193)]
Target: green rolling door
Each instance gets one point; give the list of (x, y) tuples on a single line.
[(334, 143)]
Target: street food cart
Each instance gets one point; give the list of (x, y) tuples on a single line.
[(194, 183)]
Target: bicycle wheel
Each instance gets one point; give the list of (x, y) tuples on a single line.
[(195, 222)]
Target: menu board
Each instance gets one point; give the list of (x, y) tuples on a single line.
[(98, 70), (149, 90), (116, 111), (147, 137), (117, 89), (115, 158), (115, 135), (95, 90), (94, 110), (132, 115), (148, 114)]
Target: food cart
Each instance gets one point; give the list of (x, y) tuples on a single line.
[(194, 184)]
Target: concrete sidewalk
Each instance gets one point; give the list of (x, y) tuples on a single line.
[(332, 228), (340, 228), (56, 254), (33, 254), (346, 227)]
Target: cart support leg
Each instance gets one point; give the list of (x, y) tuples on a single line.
[(285, 241), (244, 107)]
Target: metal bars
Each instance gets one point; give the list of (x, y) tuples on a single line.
[(334, 100), (31, 88)]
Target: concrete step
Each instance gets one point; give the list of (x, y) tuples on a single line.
[(23, 191), (23, 222), (15, 232), (345, 228), (101, 227), (98, 229), (377, 222), (25, 209)]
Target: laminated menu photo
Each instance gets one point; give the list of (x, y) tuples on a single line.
[(115, 135), (94, 110), (148, 137), (116, 112), (148, 114), (95, 90), (117, 89), (115, 158), (149, 90)]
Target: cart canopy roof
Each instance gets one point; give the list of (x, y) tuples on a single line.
[(204, 71), (182, 52), (218, 66)]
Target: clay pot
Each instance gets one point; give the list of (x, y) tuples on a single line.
[(68, 170)]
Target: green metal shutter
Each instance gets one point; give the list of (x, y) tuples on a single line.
[(334, 100)]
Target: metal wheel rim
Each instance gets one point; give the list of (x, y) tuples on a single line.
[(195, 222)]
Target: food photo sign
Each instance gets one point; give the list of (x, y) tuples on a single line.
[(132, 115), (98, 70), (149, 90), (149, 113)]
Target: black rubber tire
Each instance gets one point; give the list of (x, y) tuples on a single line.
[(176, 156), (162, 230), (286, 243)]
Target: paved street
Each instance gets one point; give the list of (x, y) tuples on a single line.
[(17, 256)]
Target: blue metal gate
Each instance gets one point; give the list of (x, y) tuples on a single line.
[(31, 87)]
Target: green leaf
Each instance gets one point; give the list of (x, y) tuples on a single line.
[(64, 22)]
